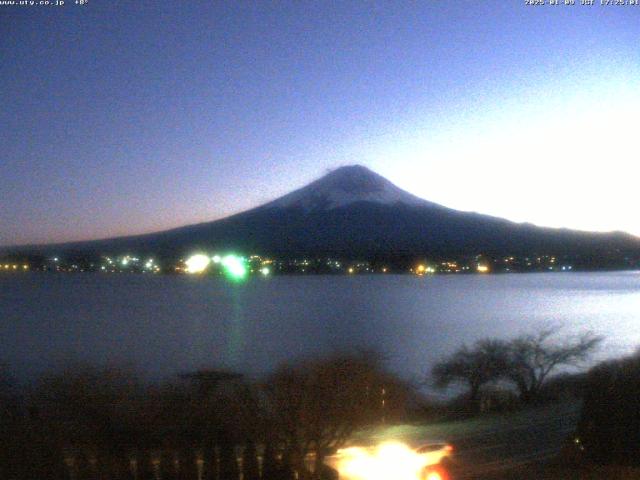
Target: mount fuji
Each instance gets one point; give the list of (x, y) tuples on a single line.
[(353, 212)]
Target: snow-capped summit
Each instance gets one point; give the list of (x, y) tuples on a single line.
[(344, 186)]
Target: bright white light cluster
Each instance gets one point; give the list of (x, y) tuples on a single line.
[(388, 461), (233, 265), (197, 263)]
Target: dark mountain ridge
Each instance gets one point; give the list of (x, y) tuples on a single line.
[(355, 213)]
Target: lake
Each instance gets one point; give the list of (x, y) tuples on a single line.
[(169, 324)]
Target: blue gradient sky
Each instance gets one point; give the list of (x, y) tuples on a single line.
[(129, 117)]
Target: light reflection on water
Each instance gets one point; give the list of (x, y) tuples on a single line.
[(166, 324)]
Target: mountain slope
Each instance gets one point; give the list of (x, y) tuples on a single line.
[(353, 212)]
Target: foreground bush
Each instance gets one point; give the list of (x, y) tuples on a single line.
[(609, 428)]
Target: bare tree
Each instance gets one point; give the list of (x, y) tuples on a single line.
[(317, 405), (476, 366), (532, 358)]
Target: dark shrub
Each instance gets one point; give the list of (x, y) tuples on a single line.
[(609, 427)]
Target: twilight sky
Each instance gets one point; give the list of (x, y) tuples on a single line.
[(125, 117)]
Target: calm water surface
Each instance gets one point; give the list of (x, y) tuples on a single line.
[(169, 324)]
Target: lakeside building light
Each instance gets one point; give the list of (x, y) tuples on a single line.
[(422, 269), (482, 268), (265, 271), (197, 263), (234, 267)]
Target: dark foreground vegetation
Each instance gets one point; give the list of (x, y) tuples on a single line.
[(503, 374), (108, 423), (606, 444), (609, 430)]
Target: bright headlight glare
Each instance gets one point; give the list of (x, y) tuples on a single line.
[(389, 460)]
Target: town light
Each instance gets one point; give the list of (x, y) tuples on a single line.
[(234, 266), (197, 263)]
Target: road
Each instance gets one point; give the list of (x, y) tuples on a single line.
[(489, 445)]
